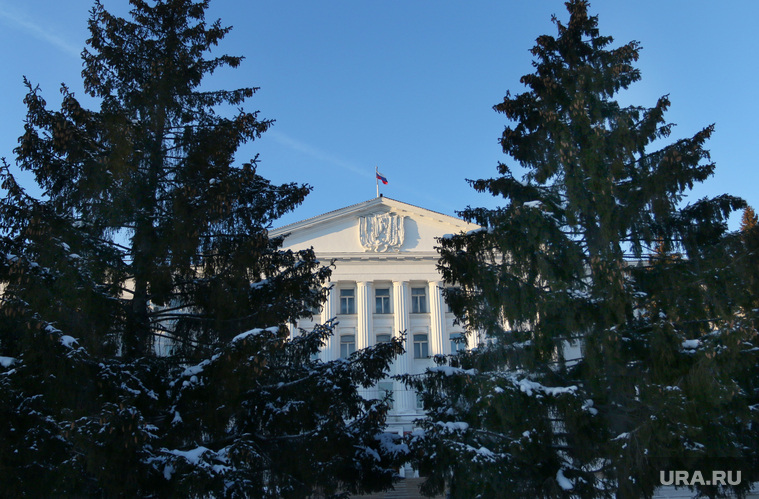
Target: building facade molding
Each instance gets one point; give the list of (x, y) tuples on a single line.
[(381, 232)]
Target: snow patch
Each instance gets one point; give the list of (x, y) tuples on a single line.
[(253, 332), (454, 426), (563, 481), (450, 371), (389, 443), (68, 341), (527, 386), (691, 344), (558, 390), (530, 387), (694, 446), (371, 452), (7, 361), (259, 284), (488, 230), (588, 406), (196, 369), (193, 456), (168, 470)]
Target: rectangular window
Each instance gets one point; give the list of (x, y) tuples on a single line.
[(382, 301), (348, 301), (347, 345), (419, 401), (421, 346), (385, 389), (458, 343), (315, 310), (418, 300), (383, 338)]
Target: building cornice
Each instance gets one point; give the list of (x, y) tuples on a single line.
[(380, 257), (348, 211)]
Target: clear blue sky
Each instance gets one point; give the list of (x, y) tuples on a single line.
[(409, 86)]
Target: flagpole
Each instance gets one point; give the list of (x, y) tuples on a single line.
[(376, 178)]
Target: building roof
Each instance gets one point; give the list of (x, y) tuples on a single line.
[(355, 209)]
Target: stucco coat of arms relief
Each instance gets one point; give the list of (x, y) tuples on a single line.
[(381, 232)]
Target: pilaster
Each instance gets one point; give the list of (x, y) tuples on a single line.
[(403, 397), (329, 308), (364, 309), (437, 318)]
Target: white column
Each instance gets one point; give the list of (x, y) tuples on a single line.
[(403, 396), (363, 326), (474, 339), (401, 321), (364, 309), (329, 308), (437, 318)]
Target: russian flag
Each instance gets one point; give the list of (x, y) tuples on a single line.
[(381, 178)]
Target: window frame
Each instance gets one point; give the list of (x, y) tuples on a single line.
[(419, 304), (457, 346), (385, 300), (347, 302), (421, 346), (349, 350), (384, 388), (419, 402), (383, 335)]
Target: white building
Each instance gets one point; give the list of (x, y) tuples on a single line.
[(385, 281)]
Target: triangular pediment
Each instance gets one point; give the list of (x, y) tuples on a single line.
[(378, 226)]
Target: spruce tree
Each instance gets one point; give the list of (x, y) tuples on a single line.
[(745, 260), (748, 219), (617, 345), (144, 348)]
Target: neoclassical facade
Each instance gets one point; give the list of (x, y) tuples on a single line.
[(385, 281)]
